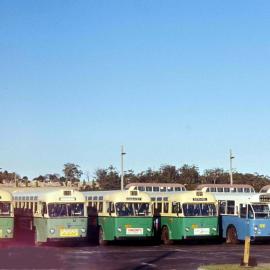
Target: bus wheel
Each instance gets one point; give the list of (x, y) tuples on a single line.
[(231, 237), (165, 236), (101, 240)]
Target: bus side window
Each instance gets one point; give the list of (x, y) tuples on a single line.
[(243, 210), (100, 207), (111, 209), (44, 209), (165, 207), (159, 207), (230, 207), (250, 212), (222, 207)]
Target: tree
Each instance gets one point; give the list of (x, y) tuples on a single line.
[(108, 178), (189, 175), (72, 172)]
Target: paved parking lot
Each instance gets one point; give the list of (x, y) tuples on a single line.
[(122, 256)]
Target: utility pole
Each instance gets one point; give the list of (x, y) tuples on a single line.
[(231, 173), (122, 167)]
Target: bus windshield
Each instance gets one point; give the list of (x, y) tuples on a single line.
[(132, 209), (199, 209), (261, 210), (4, 209), (65, 210)]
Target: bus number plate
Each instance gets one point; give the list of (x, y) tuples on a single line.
[(69, 232), (134, 231), (201, 231)]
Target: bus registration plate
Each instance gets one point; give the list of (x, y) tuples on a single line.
[(69, 232), (134, 231), (201, 231)]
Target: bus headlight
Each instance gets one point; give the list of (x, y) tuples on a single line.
[(82, 230), (119, 229), (8, 230), (255, 228), (52, 231), (187, 229), (148, 229)]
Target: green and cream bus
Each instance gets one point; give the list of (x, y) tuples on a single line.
[(183, 215), (119, 215), (6, 216), (50, 214)]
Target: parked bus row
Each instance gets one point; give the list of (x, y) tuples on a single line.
[(54, 214)]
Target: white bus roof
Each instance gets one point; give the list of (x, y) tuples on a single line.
[(5, 196), (118, 195), (49, 195)]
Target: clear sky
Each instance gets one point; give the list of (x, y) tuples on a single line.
[(173, 81)]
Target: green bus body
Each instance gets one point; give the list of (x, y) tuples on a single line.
[(126, 227), (64, 228), (6, 228), (190, 227)]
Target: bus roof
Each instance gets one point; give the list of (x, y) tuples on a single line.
[(119, 196), (50, 195), (225, 186), (154, 184), (186, 196), (5, 196), (265, 189), (243, 198)]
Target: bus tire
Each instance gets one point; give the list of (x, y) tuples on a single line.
[(231, 236), (101, 240), (165, 238)]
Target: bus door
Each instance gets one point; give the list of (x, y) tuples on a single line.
[(244, 222)]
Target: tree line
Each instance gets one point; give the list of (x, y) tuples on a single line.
[(109, 178)]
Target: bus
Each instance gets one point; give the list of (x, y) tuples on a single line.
[(50, 214), (6, 216), (157, 187), (244, 215), (185, 215), (119, 215), (226, 188)]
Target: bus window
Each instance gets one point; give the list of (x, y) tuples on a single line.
[(169, 189), (44, 209), (162, 189), (166, 207), (4, 209), (240, 190), (159, 207), (246, 190), (222, 207), (208, 190), (100, 207), (250, 212), (35, 207), (226, 189), (212, 189), (233, 189), (230, 207), (243, 210), (149, 189), (219, 189), (156, 189), (176, 208), (111, 209), (177, 188), (140, 188)]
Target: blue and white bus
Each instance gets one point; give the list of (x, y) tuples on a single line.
[(244, 215)]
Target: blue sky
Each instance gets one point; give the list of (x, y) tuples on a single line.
[(173, 81)]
